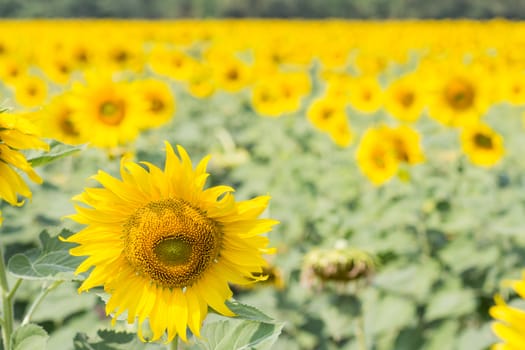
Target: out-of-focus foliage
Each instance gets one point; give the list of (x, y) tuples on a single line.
[(263, 8), (445, 228)]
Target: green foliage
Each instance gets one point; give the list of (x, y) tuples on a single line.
[(51, 261), (57, 150), (241, 335), (108, 340), (247, 312), (263, 8), (29, 336)]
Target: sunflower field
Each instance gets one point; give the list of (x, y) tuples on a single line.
[(262, 184)]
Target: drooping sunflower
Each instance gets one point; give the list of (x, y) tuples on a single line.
[(482, 145), (17, 133), (510, 320), (164, 248)]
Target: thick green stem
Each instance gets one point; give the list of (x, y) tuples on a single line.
[(7, 306), (38, 300)]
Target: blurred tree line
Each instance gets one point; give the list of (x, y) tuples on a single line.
[(358, 9)]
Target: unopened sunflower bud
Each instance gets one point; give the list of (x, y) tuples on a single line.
[(340, 265)]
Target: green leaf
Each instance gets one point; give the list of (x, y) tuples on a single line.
[(388, 313), (463, 253), (240, 335), (450, 303), (57, 150), (109, 340), (51, 262), (409, 280), (444, 336), (29, 337), (247, 312)]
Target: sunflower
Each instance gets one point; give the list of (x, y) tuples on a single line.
[(161, 245), (458, 95), (513, 87), (158, 100), (17, 133), (200, 83), (403, 98), (106, 113), (405, 143), (171, 63), (324, 111), (11, 69), (56, 120), (30, 91), (510, 320), (482, 145), (366, 94), (278, 94), (375, 157), (231, 74), (340, 132)]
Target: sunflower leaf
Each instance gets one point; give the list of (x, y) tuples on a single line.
[(108, 340), (29, 336), (56, 151), (238, 334), (247, 312), (50, 262)]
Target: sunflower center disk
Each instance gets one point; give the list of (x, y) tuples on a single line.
[(460, 95), (111, 112), (171, 242)]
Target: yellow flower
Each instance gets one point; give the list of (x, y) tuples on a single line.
[(164, 248), (513, 87), (231, 75), (405, 143), (106, 113), (403, 98), (482, 145), (30, 91), (159, 103), (200, 83), (458, 96), (11, 69), (172, 63), (340, 132), (17, 133), (383, 148), (510, 325), (57, 122), (375, 157), (325, 111), (366, 95), (279, 93)]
